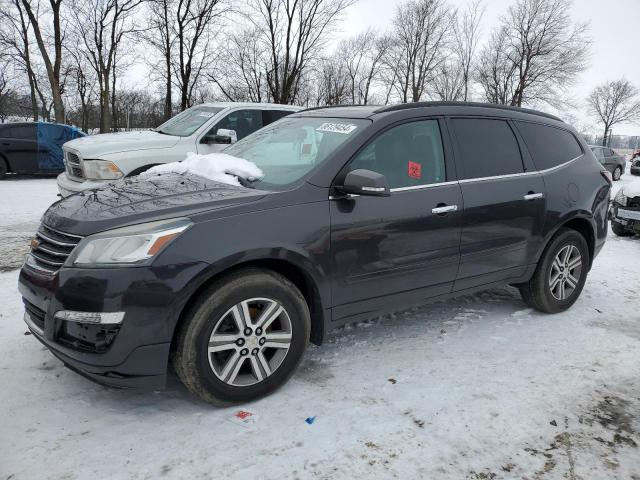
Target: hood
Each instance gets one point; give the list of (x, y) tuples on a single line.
[(139, 200), (94, 146), (632, 190)]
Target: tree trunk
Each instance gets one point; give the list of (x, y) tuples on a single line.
[(606, 134), (105, 107)]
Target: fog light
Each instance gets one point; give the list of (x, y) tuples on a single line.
[(104, 318)]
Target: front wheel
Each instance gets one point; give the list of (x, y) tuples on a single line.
[(243, 338), (560, 274), (617, 173)]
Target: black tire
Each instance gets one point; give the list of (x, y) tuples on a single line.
[(536, 292), (621, 230), (617, 173), (191, 359)]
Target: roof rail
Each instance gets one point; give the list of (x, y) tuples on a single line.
[(335, 106), (404, 106)]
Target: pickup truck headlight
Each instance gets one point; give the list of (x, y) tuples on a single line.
[(620, 198), (128, 245), (101, 170)]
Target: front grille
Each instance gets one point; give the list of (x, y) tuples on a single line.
[(634, 202), (51, 249), (36, 314), (73, 165)]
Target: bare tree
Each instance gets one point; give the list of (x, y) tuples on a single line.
[(292, 33), (101, 25), (467, 32), (160, 36), (332, 83), (193, 35), (448, 84), (84, 81), (362, 57), (614, 102), (420, 35), (16, 40), (240, 74), (534, 54), (54, 67)]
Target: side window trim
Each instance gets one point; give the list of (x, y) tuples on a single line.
[(446, 151)]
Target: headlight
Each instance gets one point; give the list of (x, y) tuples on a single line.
[(129, 245), (620, 198), (101, 170)]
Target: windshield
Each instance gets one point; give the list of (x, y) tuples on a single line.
[(187, 122), (289, 149)]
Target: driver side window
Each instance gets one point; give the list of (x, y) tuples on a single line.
[(243, 122), (407, 155)]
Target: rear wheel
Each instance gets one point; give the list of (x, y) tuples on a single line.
[(621, 230), (617, 173), (560, 274), (243, 338)]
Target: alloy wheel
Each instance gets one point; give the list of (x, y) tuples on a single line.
[(565, 273), (249, 342)]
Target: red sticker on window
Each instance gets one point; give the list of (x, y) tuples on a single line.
[(306, 148), (415, 170)]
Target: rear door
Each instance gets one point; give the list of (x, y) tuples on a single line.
[(504, 202), (402, 248)]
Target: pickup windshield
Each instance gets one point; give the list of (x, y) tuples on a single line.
[(290, 148), (187, 122)]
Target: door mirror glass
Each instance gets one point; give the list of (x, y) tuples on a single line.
[(365, 182)]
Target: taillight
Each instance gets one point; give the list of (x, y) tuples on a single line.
[(607, 176)]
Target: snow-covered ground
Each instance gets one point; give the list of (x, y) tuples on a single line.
[(480, 387)]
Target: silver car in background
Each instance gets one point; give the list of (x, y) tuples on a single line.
[(610, 160)]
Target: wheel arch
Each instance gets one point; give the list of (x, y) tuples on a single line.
[(294, 272), (139, 170), (582, 224), (5, 160)]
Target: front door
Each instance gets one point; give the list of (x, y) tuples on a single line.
[(243, 122), (387, 250)]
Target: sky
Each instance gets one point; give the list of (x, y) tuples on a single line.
[(614, 29)]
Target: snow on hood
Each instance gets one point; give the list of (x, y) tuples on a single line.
[(218, 167)]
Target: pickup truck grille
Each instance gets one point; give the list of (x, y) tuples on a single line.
[(634, 202), (51, 248), (73, 165)]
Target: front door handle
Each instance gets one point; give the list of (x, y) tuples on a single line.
[(440, 210), (533, 196)]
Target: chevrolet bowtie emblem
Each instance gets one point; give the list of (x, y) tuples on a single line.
[(34, 243)]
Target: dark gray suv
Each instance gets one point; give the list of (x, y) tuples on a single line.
[(359, 211)]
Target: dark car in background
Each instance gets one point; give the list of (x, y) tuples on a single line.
[(610, 160), (34, 147), (635, 166), (359, 211)]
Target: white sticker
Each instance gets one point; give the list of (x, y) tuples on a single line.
[(345, 128)]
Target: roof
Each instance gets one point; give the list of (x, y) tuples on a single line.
[(366, 111), (278, 106)]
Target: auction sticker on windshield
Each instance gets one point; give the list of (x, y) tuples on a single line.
[(345, 128)]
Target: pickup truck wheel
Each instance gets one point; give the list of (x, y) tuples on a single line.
[(560, 275), (243, 338)]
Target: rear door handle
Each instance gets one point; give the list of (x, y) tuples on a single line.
[(444, 209), (533, 196)]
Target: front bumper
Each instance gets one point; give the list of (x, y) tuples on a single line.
[(135, 355), (625, 216), (67, 187)]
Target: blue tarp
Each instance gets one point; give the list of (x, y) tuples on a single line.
[(51, 137)]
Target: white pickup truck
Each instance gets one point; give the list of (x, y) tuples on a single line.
[(92, 161)]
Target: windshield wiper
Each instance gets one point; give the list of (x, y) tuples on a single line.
[(245, 182), (162, 132)]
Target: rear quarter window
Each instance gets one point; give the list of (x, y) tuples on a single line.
[(549, 146)]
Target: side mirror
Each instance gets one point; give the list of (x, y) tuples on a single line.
[(222, 136), (365, 182)]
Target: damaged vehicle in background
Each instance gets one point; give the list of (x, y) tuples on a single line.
[(94, 161), (635, 166), (326, 217), (625, 211)]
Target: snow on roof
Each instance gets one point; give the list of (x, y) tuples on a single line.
[(218, 167)]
